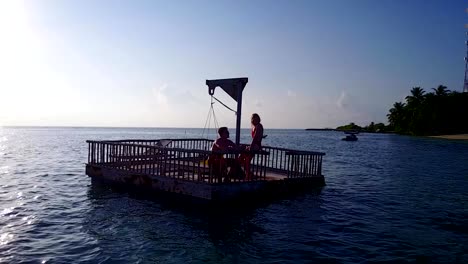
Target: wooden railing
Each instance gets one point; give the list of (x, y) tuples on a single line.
[(188, 143), (188, 159), (295, 163)]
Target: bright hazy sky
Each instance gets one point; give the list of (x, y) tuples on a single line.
[(144, 63)]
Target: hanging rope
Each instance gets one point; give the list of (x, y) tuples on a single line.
[(208, 120), (223, 104), (215, 120), (211, 113)]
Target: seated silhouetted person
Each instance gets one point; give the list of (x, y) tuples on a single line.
[(219, 164)]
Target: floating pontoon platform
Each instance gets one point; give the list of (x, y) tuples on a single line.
[(181, 166)]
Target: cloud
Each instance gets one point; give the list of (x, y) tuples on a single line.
[(291, 93), (160, 94), (342, 100), (168, 95)]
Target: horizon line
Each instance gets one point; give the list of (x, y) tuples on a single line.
[(71, 126)]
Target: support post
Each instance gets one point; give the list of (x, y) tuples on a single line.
[(238, 115)]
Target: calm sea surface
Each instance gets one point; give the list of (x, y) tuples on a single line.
[(388, 198)]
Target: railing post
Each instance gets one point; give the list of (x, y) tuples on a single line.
[(101, 150), (93, 153), (320, 167)]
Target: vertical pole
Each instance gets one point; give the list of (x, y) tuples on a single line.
[(239, 114)]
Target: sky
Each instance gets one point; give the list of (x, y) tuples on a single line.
[(310, 64)]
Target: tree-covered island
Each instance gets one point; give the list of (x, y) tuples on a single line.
[(438, 112)]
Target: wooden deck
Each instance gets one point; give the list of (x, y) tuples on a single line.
[(182, 168)]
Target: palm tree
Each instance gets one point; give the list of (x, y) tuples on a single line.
[(416, 97), (435, 112), (414, 109), (441, 90), (395, 117)]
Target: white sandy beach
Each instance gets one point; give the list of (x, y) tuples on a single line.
[(458, 136)]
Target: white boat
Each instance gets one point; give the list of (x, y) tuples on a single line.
[(350, 136)]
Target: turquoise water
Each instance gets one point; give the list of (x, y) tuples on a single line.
[(388, 198)]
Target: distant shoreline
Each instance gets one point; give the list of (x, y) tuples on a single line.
[(321, 129), (348, 130), (456, 137)]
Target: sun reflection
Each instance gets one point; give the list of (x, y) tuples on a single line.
[(3, 140), (3, 169), (7, 211), (5, 238), (28, 219)]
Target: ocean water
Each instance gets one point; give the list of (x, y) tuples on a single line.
[(388, 199)]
